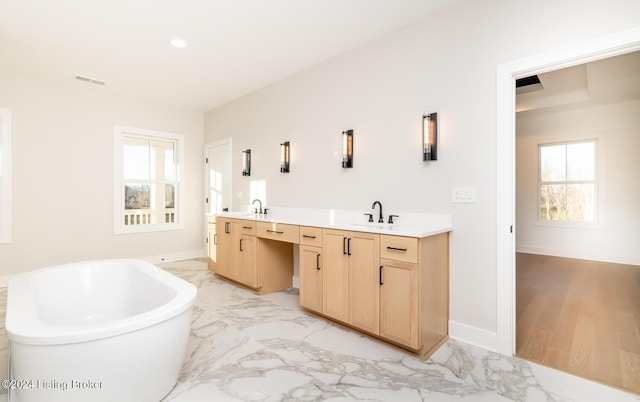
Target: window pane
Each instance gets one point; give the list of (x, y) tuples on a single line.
[(169, 196), (169, 165), (581, 161), (135, 156), (162, 160), (552, 202), (553, 163), (581, 202)]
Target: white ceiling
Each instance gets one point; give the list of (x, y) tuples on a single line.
[(610, 80), (234, 46)]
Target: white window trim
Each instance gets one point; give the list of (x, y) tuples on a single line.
[(595, 224), (118, 183), (5, 175)]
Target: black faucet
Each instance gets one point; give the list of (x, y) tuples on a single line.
[(255, 209), (380, 220)]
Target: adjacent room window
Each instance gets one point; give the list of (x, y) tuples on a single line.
[(148, 180), (567, 181), (5, 176)]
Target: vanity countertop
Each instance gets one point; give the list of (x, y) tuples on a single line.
[(406, 224)]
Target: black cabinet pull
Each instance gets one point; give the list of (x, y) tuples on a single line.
[(318, 262), (247, 227), (308, 237), (215, 238), (349, 246), (226, 227), (381, 283), (396, 248), (274, 231), (241, 245), (344, 245)]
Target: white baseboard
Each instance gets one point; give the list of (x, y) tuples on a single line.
[(183, 255), (582, 255), (474, 336), (296, 281)]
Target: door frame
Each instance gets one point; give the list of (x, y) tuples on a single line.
[(506, 74), (229, 143)]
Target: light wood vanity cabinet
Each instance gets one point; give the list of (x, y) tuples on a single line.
[(247, 259), (393, 287), (237, 248), (310, 264), (279, 232), (399, 294), (212, 253), (249, 252), (228, 235), (350, 278), (414, 291)]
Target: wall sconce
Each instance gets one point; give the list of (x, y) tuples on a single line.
[(347, 149), (284, 157), (430, 137), (246, 162)]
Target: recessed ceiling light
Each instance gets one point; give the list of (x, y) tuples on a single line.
[(179, 43)]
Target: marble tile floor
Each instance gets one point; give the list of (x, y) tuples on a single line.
[(247, 347)]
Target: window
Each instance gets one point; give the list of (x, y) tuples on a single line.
[(567, 181), (148, 180), (5, 176)]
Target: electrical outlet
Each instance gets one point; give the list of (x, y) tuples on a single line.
[(463, 194)]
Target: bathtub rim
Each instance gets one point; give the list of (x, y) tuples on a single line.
[(26, 327)]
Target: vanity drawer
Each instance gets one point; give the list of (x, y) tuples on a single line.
[(279, 231), (399, 248), (311, 236), (249, 228)]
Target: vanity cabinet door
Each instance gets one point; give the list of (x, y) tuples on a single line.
[(350, 278), (362, 253), (249, 253), (311, 277), (229, 256), (335, 278), (399, 298), (212, 244)]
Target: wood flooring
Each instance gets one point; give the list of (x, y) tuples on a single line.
[(581, 317)]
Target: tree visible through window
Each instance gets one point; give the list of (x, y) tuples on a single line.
[(567, 181)]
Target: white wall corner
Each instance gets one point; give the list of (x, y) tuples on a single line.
[(296, 281), (473, 336)]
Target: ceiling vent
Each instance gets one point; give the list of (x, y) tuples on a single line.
[(523, 82), (528, 84), (90, 80)]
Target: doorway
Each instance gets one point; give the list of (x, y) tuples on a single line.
[(217, 176), (613, 45), (217, 185), (576, 309)]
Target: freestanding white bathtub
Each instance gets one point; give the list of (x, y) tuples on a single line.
[(111, 330)]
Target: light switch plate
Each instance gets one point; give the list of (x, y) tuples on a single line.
[(463, 194)]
